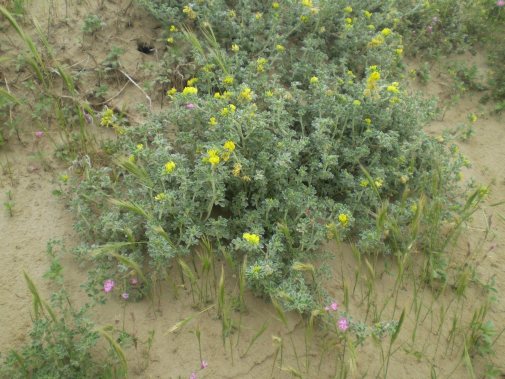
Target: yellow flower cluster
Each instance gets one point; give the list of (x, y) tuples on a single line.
[(280, 48), (348, 9), (190, 90), (253, 239), (192, 81), (258, 15), (275, 5), (343, 219), (212, 121), (307, 3), (188, 11), (376, 41), (385, 32), (107, 119), (260, 64), (228, 110), (237, 168), (228, 80), (172, 91), (229, 145), (393, 88), (371, 82), (367, 14), (173, 28), (169, 167), (314, 80), (246, 94), (235, 48), (212, 157), (160, 197)]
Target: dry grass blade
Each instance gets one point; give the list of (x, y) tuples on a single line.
[(131, 206), (137, 171), (117, 349)]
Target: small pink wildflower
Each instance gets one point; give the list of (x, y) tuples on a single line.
[(108, 285), (203, 364), (500, 3), (39, 134), (343, 324), (190, 106), (134, 281), (125, 295), (332, 307), (193, 375)]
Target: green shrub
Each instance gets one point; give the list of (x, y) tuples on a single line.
[(292, 130)]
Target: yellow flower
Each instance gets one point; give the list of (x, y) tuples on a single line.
[(192, 81), (246, 178), (253, 239), (160, 197), (399, 51), (107, 118), (214, 160), (229, 145), (189, 91), (246, 94), (269, 93), (189, 12), (371, 27), (275, 5), (343, 219), (260, 64), (139, 147), (385, 32), (307, 3), (280, 48), (213, 121), (376, 41), (348, 9), (258, 15), (171, 92), (348, 21), (235, 48), (368, 121), (173, 28), (217, 95), (393, 88), (364, 183), (236, 169), (64, 178), (131, 158), (170, 40), (367, 14), (378, 183), (371, 83), (212, 157), (228, 80), (169, 167), (304, 18), (472, 118), (314, 80), (231, 14), (356, 103)]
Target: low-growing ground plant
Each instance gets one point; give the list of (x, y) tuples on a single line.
[(64, 341), (282, 142)]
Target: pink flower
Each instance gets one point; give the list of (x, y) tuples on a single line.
[(190, 106), (39, 134), (108, 285), (332, 307), (193, 375), (134, 281), (125, 295), (500, 3), (203, 364), (343, 324)]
